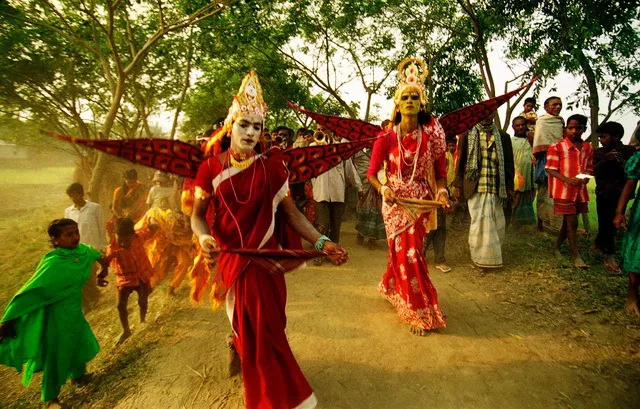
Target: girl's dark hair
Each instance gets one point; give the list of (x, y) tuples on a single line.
[(55, 228), (424, 117), (129, 174), (581, 119), (530, 100)]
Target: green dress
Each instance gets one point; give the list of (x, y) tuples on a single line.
[(52, 333), (630, 251)]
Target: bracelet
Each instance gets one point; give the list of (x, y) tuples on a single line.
[(203, 237), (320, 243), (382, 189), (443, 190)]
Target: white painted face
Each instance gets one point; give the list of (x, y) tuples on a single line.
[(245, 133)]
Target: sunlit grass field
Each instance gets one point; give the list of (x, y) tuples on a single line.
[(29, 199)]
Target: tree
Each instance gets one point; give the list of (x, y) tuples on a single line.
[(595, 39), (485, 27), (117, 36), (435, 31)]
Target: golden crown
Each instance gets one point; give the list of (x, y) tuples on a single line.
[(248, 100), (411, 75)]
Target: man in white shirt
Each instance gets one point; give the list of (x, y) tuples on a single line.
[(89, 217), (329, 193), (90, 221)]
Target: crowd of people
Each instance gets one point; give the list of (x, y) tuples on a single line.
[(239, 225)]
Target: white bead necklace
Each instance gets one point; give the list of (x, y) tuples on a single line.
[(402, 152)]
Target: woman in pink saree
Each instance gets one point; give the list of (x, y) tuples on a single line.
[(414, 151)]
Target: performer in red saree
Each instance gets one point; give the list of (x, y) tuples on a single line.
[(252, 209), (414, 151)]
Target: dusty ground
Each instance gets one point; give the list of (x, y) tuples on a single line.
[(533, 335)]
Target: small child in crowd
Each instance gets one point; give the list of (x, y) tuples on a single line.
[(529, 114), (43, 326), (131, 266), (568, 162), (608, 170), (630, 248)]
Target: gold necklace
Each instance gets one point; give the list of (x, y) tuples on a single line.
[(244, 161)]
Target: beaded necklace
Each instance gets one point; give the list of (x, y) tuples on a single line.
[(402, 152)]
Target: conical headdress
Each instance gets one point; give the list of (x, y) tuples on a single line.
[(248, 100), (411, 75)]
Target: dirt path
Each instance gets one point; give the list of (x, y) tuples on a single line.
[(356, 353)]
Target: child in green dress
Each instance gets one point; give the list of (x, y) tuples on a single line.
[(630, 251), (43, 328)]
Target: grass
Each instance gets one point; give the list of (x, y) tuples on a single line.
[(30, 199)]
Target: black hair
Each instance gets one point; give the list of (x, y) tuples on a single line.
[(124, 226), (424, 117), (530, 100), (546, 101), (55, 228), (519, 117), (581, 119), (129, 174), (614, 129), (75, 188), (451, 139), (302, 131)]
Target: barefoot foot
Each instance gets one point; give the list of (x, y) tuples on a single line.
[(557, 254), (418, 331), (53, 404), (578, 263), (631, 306), (125, 334)]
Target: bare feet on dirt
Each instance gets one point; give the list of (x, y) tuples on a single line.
[(53, 404), (123, 337), (631, 306), (418, 331), (557, 254), (578, 263), (611, 266), (443, 267)]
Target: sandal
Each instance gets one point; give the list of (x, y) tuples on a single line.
[(443, 267)]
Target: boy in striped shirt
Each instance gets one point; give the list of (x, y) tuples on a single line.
[(568, 162)]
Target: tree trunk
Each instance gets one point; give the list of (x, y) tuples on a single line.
[(101, 161), (594, 97), (183, 96)]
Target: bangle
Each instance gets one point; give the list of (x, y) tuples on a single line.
[(382, 189), (443, 190), (203, 237), (320, 243)]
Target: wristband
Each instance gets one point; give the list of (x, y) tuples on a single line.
[(382, 189), (320, 243), (203, 237)]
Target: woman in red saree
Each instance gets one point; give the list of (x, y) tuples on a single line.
[(251, 209), (414, 150)]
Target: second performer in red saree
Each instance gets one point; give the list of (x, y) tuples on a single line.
[(415, 169)]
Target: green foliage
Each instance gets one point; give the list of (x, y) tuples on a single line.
[(595, 39)]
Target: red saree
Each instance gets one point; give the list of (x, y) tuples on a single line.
[(406, 283), (245, 217)]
